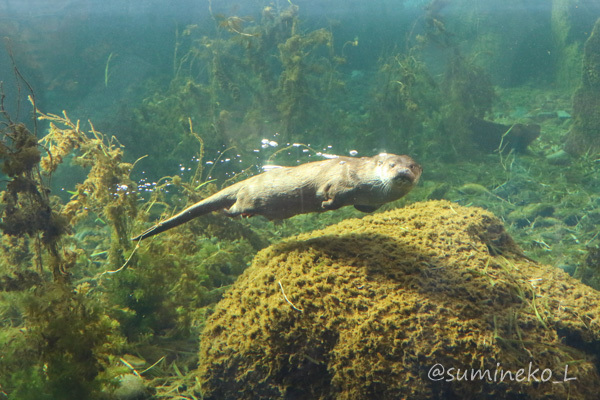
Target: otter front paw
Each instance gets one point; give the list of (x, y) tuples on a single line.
[(330, 205)]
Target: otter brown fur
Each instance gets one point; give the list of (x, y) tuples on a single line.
[(366, 183)]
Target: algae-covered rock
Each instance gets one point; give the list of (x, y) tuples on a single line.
[(131, 387), (365, 309), (524, 216)]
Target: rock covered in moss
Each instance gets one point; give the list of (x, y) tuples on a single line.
[(526, 215), (366, 308)]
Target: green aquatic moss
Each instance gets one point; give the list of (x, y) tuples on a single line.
[(75, 339), (363, 309), (61, 345)]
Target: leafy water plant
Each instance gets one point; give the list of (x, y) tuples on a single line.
[(249, 78), (302, 63), (107, 191), (57, 342), (404, 98), (583, 137)]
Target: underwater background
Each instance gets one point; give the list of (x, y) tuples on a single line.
[(117, 114)]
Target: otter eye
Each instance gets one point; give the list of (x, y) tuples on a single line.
[(392, 164)]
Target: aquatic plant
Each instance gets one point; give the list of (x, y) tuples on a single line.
[(297, 90), (250, 78), (470, 94), (568, 50), (405, 97), (26, 210), (583, 137), (77, 322), (107, 191), (64, 343)]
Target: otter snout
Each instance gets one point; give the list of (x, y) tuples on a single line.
[(404, 168), (405, 174)]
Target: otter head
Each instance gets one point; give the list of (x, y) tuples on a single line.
[(398, 174)]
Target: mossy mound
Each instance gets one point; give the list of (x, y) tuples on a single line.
[(371, 305)]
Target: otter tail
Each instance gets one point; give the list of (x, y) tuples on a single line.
[(215, 202)]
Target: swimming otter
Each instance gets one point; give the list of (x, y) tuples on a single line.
[(366, 183)]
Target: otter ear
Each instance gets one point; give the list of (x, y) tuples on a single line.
[(365, 209)]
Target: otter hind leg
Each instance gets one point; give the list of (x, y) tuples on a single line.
[(244, 208), (233, 211)]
